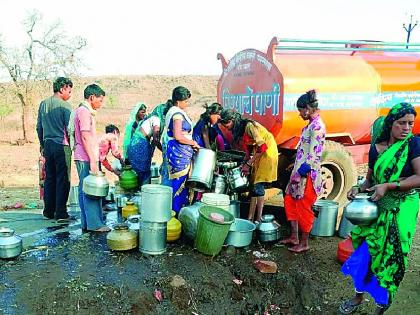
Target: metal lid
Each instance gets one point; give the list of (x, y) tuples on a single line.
[(267, 218), (120, 226), (5, 231), (135, 218), (323, 202), (156, 189)]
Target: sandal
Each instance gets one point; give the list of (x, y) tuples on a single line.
[(348, 307)]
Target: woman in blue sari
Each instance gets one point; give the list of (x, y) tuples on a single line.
[(179, 146), (204, 132)]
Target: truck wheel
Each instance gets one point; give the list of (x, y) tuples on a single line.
[(338, 171)]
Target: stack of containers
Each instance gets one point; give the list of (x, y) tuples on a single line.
[(156, 207)]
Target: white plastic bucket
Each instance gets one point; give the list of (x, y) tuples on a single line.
[(216, 200)]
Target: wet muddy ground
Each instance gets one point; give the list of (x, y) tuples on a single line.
[(65, 271)]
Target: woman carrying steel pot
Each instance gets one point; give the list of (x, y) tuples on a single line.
[(305, 182), (179, 145), (261, 156), (380, 259)]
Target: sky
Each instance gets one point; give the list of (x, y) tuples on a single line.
[(176, 37)]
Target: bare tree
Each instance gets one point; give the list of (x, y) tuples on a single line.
[(48, 52)]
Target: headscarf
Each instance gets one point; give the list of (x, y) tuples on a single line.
[(397, 111), (129, 125), (160, 111), (376, 128)]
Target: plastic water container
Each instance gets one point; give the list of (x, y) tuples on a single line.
[(217, 200), (189, 219), (211, 234), (344, 250)]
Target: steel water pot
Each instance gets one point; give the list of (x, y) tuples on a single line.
[(268, 230), (345, 227), (73, 200), (236, 180), (10, 244), (219, 184), (153, 237), (133, 222), (96, 185), (235, 208), (326, 212), (111, 193), (121, 200), (137, 200), (156, 203), (361, 210), (154, 170), (204, 162)]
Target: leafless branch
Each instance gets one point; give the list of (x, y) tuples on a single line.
[(47, 53)]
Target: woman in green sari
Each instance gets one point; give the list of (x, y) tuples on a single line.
[(137, 114), (379, 261)]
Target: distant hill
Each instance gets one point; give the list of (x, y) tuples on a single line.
[(123, 92)]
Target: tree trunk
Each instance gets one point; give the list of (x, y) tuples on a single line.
[(24, 127), (24, 118)]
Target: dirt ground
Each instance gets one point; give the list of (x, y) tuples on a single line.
[(64, 271)]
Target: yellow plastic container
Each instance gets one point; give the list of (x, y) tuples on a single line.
[(174, 228), (129, 209)]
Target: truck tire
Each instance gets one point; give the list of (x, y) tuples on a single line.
[(338, 171)]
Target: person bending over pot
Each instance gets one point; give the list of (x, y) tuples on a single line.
[(261, 156), (380, 259), (204, 132), (143, 143)]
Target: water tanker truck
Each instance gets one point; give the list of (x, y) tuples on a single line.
[(356, 82)]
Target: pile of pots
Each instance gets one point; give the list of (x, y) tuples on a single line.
[(241, 231), (156, 207), (229, 179), (149, 227)]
